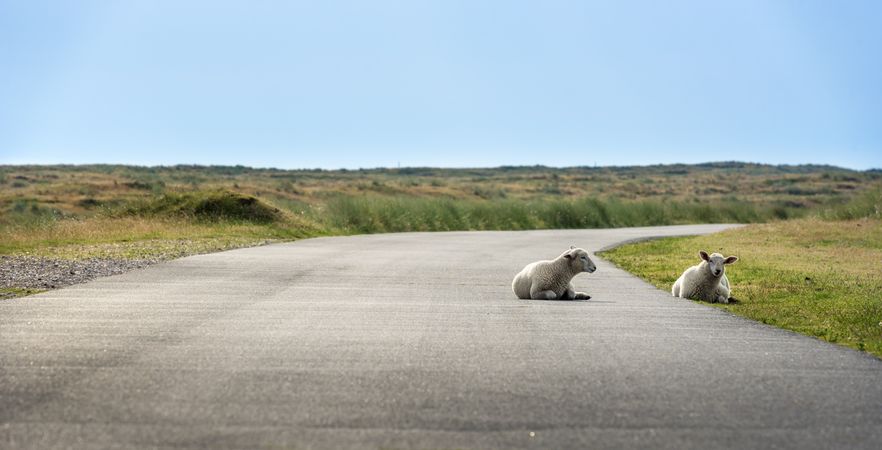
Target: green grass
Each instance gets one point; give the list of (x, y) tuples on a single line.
[(13, 292), (817, 277)]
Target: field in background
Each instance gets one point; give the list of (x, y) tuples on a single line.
[(121, 211), (408, 199), (817, 277)]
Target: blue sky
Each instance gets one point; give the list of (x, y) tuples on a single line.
[(440, 83)]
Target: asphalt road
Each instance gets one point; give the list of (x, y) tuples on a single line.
[(414, 341)]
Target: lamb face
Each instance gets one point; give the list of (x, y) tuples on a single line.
[(715, 263), (579, 260)]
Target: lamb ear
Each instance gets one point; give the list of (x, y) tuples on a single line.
[(730, 260), (703, 255)]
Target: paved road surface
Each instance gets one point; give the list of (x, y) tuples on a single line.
[(414, 341)]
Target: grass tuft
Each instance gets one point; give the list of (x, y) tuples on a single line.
[(866, 205)]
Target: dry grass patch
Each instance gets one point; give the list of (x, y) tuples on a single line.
[(139, 237)]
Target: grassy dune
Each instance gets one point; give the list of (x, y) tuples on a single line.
[(167, 226)]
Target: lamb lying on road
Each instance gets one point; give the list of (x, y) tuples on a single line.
[(707, 281), (551, 280)]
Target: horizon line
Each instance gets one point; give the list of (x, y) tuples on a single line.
[(503, 166)]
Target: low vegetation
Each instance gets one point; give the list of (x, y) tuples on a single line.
[(27, 192), (211, 206), (124, 211)]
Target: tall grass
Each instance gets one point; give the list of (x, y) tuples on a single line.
[(867, 205), (371, 214)]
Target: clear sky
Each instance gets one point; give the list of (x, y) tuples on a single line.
[(296, 84)]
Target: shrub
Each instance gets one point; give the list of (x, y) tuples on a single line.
[(210, 206)]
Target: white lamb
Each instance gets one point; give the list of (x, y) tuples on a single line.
[(551, 280), (707, 281)]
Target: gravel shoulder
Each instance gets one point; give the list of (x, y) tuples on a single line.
[(30, 272), (58, 267)]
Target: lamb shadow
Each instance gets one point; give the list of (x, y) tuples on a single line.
[(561, 300)]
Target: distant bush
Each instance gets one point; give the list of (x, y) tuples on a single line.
[(88, 203), (210, 206), (156, 186)]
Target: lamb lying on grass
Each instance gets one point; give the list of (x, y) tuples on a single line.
[(551, 280), (707, 281)]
